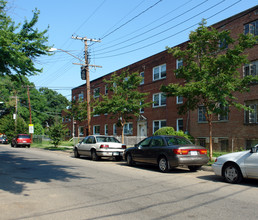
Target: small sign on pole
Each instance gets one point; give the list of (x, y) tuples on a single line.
[(31, 128)]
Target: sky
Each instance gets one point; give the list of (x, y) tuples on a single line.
[(128, 31)]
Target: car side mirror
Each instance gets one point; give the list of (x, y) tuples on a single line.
[(254, 149)]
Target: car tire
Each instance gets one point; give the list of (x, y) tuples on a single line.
[(232, 173), (129, 160), (76, 153), (94, 155), (194, 168), (163, 164)]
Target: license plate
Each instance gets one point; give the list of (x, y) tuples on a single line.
[(116, 154), (193, 153)]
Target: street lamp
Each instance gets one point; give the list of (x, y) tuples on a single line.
[(84, 63)]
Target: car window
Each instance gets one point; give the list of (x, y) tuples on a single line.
[(145, 142), (177, 141), (157, 142), (90, 140), (23, 136), (107, 139), (85, 140)]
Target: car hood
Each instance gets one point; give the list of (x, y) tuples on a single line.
[(232, 156)]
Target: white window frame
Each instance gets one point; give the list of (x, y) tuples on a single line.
[(252, 115), (106, 89), (177, 124), (94, 129), (106, 129), (128, 128), (142, 75), (114, 129), (159, 73), (201, 112), (179, 63), (95, 115), (251, 28), (95, 93), (159, 124), (223, 117), (251, 69), (81, 96), (179, 100), (141, 109), (159, 104)]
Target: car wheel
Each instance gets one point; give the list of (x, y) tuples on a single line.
[(28, 146), (94, 155), (232, 173), (163, 164), (129, 160), (194, 168), (76, 153)]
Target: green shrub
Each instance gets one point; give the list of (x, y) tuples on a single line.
[(171, 131)]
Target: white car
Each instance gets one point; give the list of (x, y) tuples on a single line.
[(236, 166), (97, 146)]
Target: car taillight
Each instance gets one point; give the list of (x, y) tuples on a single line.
[(203, 151), (104, 146), (180, 151), (124, 146)]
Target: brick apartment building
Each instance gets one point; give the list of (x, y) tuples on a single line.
[(239, 129)]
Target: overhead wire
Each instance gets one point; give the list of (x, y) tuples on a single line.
[(158, 26), (151, 44)]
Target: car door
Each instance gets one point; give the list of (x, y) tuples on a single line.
[(156, 145), (82, 147), (251, 165), (139, 154)]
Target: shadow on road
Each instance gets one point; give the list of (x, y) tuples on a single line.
[(17, 171)]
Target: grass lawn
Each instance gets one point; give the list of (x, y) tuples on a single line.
[(64, 145)]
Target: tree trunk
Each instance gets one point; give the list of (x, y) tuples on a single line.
[(210, 135)]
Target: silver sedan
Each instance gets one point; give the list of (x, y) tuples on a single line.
[(236, 166), (97, 146)]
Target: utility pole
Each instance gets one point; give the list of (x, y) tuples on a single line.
[(86, 64)]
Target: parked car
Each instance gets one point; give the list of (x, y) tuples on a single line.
[(3, 140), (97, 146), (167, 152), (21, 140), (233, 167)]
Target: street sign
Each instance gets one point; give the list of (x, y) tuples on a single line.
[(31, 128)]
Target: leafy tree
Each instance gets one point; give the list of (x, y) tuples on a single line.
[(210, 72), (77, 110), (125, 100), (20, 45), (57, 132)]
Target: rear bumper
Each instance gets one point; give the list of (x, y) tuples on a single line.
[(188, 161), (110, 153)]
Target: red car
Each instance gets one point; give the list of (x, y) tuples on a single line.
[(21, 140)]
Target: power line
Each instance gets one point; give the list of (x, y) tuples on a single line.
[(151, 44)]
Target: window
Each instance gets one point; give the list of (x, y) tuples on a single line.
[(106, 129), (159, 124), (159, 72), (128, 128), (223, 44), (251, 117), (179, 63), (157, 142), (96, 92), (141, 109), (159, 99), (179, 99), (251, 28), (96, 129), (114, 129), (223, 117), (106, 89), (81, 96), (142, 75), (81, 131), (201, 114), (179, 124), (251, 69)]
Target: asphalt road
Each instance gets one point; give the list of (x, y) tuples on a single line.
[(40, 184)]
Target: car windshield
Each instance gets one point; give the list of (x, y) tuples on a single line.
[(107, 139), (24, 136), (177, 141)]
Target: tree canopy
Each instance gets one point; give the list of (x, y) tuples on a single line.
[(20, 45), (210, 71), (125, 101)]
